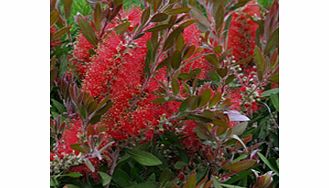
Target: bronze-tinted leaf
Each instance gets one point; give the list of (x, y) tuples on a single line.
[(260, 63), (79, 148), (60, 33), (191, 181), (240, 165), (189, 52), (53, 17), (218, 49), (177, 10), (172, 38), (156, 4), (239, 4), (98, 16), (122, 28), (145, 15), (87, 31), (204, 24), (158, 28), (67, 7), (180, 42), (215, 99), (222, 72), (117, 2), (186, 24), (218, 13), (163, 63), (159, 17), (273, 41)]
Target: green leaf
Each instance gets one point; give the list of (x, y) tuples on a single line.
[(265, 3), (218, 49), (260, 63), (275, 101), (122, 28), (73, 174), (70, 186), (179, 165), (79, 148), (87, 31), (229, 79), (205, 97), (145, 185), (240, 165), (191, 181), (240, 128), (106, 179), (270, 92), (184, 76), (218, 184), (177, 11), (241, 157), (175, 86), (145, 158), (212, 58), (267, 162), (159, 17), (158, 28), (176, 60), (60, 108)]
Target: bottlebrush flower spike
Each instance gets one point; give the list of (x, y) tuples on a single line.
[(242, 31), (82, 54)]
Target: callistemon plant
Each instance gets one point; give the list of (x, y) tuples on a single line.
[(192, 71)]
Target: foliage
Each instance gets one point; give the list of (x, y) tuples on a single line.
[(164, 93)]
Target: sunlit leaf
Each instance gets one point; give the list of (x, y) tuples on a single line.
[(106, 179)]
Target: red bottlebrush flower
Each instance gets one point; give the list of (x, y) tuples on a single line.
[(86, 172), (53, 43), (82, 54), (191, 142), (192, 36), (242, 31), (118, 70), (69, 137)]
